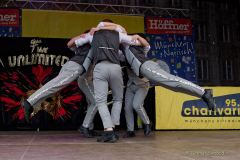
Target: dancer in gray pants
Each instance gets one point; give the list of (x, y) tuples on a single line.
[(107, 72), (152, 71), (69, 72), (136, 92)]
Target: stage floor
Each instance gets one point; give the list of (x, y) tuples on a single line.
[(161, 145)]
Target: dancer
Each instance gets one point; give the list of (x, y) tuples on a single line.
[(136, 92), (107, 71), (69, 72), (152, 71)]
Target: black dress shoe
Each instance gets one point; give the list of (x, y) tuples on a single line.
[(94, 133), (129, 134), (85, 131), (108, 137), (115, 130), (147, 129), (208, 98), (28, 109)]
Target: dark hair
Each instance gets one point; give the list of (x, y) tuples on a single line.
[(140, 34), (87, 31), (107, 20)]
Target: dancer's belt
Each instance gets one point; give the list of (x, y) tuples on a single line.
[(106, 48)]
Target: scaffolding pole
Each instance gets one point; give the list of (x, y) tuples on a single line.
[(99, 8)]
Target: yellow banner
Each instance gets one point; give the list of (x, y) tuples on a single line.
[(66, 24), (176, 110)]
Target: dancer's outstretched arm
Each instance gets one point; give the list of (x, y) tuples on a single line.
[(141, 40), (85, 38)]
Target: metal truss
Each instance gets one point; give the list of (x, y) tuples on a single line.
[(90, 7)]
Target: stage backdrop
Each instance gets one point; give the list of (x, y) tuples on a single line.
[(66, 24), (25, 65), (171, 40), (10, 22), (181, 111)]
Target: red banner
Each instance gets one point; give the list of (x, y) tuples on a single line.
[(157, 25), (9, 17)]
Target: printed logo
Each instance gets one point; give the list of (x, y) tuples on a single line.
[(227, 106), (9, 17), (158, 25)]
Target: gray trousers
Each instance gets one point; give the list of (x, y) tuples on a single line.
[(68, 73), (152, 71), (107, 74), (134, 99), (87, 88)]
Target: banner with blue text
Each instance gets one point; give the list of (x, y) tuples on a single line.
[(181, 111), (171, 40)]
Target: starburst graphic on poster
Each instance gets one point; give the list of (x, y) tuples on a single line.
[(18, 84)]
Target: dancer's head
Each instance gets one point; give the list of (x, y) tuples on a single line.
[(107, 20), (141, 35), (86, 31)]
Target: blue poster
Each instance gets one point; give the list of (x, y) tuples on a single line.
[(8, 31), (177, 51), (10, 22)]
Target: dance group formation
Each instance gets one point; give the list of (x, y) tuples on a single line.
[(96, 67)]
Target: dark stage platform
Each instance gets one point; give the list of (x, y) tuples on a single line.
[(161, 145)]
